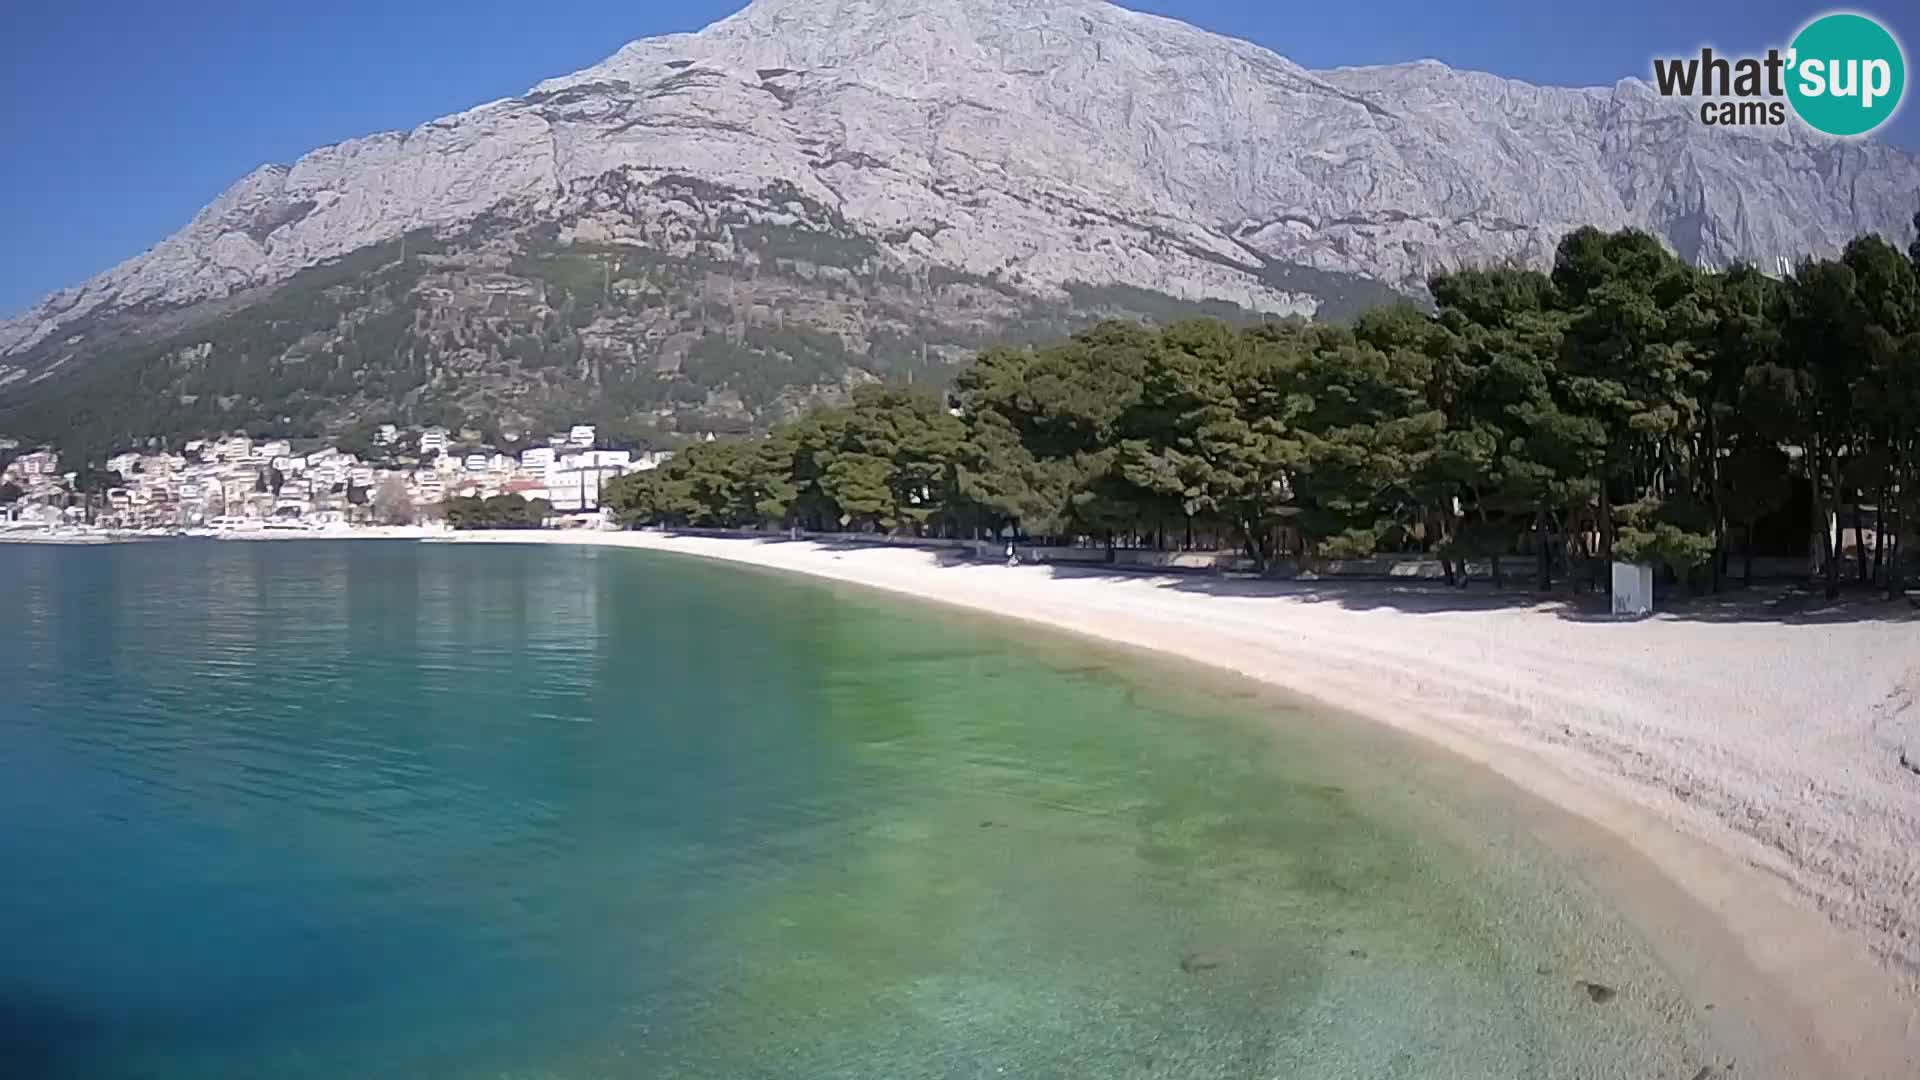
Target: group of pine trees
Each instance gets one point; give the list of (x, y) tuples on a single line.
[(493, 512), (1626, 406)]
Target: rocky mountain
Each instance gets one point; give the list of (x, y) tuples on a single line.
[(711, 227)]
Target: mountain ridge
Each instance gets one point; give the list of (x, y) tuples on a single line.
[(766, 35), (1042, 147)]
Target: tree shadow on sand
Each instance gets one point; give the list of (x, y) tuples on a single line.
[(1792, 604), (1789, 603)]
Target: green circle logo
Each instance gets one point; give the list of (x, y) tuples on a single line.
[(1846, 74)]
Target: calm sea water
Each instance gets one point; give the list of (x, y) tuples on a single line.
[(391, 810)]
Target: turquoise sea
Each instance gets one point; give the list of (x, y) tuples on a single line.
[(381, 809)]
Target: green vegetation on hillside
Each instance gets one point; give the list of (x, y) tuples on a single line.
[(736, 315)]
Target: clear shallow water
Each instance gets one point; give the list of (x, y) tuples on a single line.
[(391, 810)]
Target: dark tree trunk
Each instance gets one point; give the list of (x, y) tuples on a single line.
[(1719, 513), (1897, 523), (1859, 541), (1443, 543), (1605, 515), (1880, 534), (1827, 502), (1493, 547), (1545, 553)]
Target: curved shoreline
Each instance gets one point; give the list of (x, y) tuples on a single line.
[(1751, 823), (1630, 741)]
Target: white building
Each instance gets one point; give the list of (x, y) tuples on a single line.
[(325, 472), (386, 435), (235, 492), (477, 463), (582, 436), (233, 448), (433, 441), (31, 470), (597, 459), (537, 460), (574, 490), (575, 481)]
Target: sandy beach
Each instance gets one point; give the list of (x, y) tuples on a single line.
[(1753, 757)]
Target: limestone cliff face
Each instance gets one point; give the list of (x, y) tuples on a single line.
[(1048, 142)]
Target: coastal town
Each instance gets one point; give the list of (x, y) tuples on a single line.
[(240, 483)]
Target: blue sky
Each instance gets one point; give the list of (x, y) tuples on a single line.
[(121, 119)]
